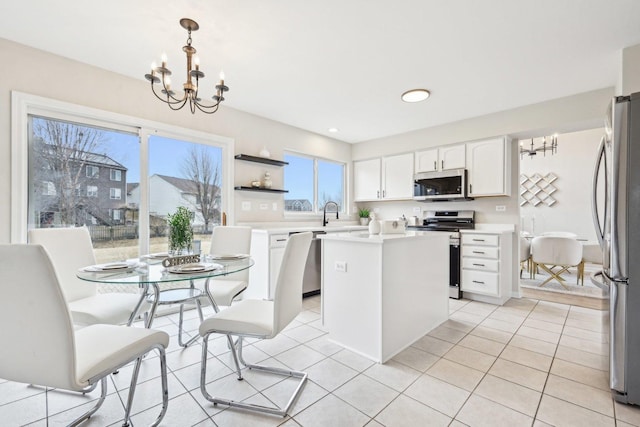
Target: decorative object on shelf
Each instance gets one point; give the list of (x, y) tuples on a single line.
[(263, 160), (374, 224), (552, 146), (266, 182), (364, 213), (537, 189), (190, 88), (180, 232), (256, 183), (265, 153)]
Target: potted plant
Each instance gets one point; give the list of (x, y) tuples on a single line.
[(180, 231), (364, 213)]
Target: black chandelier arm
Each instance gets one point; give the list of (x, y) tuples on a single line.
[(169, 99), (207, 109)]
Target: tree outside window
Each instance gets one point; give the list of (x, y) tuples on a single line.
[(311, 183)]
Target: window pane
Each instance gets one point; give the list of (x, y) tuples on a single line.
[(298, 180), (68, 157), (183, 174), (330, 183)]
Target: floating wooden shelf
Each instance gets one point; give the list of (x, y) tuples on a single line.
[(264, 190), (263, 160)]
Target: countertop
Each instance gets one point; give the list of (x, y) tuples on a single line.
[(300, 229), (365, 237)]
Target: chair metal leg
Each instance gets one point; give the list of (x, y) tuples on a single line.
[(103, 395), (180, 322), (252, 407), (134, 383)]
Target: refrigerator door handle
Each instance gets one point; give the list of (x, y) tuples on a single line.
[(594, 198), (617, 335)]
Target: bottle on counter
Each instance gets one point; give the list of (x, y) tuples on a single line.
[(374, 225)]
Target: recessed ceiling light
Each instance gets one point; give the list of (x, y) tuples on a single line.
[(333, 130), (415, 95)]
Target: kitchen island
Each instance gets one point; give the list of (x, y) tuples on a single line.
[(381, 293)]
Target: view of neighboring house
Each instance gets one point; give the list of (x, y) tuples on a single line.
[(168, 192), (298, 205), (91, 192)]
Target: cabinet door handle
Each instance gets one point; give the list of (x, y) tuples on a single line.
[(378, 194), (435, 165), (470, 189), (442, 164), (478, 240), (478, 252), (478, 282), (384, 193), (479, 265), (281, 240)]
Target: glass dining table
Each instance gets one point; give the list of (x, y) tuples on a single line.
[(149, 272)]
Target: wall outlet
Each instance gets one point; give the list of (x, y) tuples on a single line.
[(417, 210), (501, 208), (246, 206), (341, 266), (264, 206)]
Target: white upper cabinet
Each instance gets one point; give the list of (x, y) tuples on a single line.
[(388, 178), (439, 159), (397, 177), (366, 179), (488, 167)]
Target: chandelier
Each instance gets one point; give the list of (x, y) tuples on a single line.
[(190, 87), (532, 151)]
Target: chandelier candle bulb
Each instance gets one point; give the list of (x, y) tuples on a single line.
[(163, 59)]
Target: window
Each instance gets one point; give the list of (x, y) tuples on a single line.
[(48, 188), (311, 183), (93, 171), (53, 136), (92, 191)]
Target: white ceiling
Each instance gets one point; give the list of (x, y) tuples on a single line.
[(344, 63)]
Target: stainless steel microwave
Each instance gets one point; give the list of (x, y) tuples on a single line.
[(440, 186)]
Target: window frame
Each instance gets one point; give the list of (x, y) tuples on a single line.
[(115, 193), (117, 172), (316, 209), (23, 105), (92, 191), (95, 175)]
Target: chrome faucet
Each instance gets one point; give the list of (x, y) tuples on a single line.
[(324, 212)]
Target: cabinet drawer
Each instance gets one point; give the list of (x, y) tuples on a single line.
[(278, 240), (480, 252), (481, 264), (480, 282), (480, 239)]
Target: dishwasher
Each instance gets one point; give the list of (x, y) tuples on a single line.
[(313, 268)]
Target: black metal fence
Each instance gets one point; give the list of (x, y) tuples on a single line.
[(122, 232)]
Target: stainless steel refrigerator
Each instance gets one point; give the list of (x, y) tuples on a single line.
[(617, 220)]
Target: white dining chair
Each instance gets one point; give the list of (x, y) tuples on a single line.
[(567, 234), (262, 319), (549, 252), (40, 345), (70, 249), (525, 255), (225, 240)]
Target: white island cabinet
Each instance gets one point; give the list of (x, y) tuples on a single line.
[(381, 293)]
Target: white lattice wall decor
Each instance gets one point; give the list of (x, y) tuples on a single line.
[(537, 189)]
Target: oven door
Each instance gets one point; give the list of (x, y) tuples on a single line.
[(437, 186)]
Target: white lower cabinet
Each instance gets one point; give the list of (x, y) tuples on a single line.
[(267, 251), (486, 266)]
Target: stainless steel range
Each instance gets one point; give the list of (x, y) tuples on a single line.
[(450, 222)]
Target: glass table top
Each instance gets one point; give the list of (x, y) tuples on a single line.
[(139, 272)]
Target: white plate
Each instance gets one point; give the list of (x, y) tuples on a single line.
[(192, 268), (111, 267), (160, 255), (228, 257)]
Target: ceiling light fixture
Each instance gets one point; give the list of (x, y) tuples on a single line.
[(415, 95), (552, 146), (333, 130), (190, 88)]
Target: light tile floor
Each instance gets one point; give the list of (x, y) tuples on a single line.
[(526, 363)]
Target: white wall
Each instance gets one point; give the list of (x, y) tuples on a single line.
[(573, 165), (40, 73), (631, 70)]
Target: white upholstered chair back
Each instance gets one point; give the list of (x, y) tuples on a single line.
[(288, 292), (563, 251), (560, 234), (69, 250), (38, 343), (230, 240), (525, 248)]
